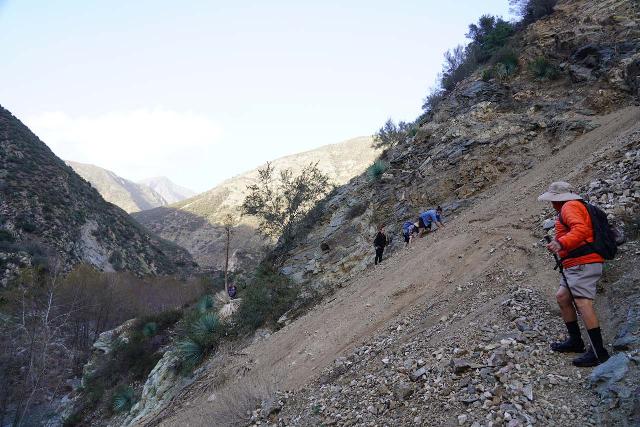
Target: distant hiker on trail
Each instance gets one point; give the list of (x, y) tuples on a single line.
[(426, 219), (408, 230), (380, 242), (232, 291), (580, 266)]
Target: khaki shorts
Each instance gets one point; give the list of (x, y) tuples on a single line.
[(582, 279)]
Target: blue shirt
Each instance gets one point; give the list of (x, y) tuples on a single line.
[(429, 216), (407, 228)]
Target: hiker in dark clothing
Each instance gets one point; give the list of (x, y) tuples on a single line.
[(233, 291), (380, 242)]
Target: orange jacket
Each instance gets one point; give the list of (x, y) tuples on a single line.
[(577, 232)]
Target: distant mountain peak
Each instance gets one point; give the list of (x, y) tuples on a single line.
[(168, 189)]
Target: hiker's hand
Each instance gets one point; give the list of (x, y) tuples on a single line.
[(554, 246)]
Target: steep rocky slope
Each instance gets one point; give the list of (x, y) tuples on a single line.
[(455, 330), (46, 209), (128, 195), (196, 223), (485, 134), (170, 191), (478, 292)]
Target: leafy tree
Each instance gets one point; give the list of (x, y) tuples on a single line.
[(280, 201), (391, 134), (487, 37), (532, 10), (458, 65)]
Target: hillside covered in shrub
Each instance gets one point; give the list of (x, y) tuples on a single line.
[(49, 212)]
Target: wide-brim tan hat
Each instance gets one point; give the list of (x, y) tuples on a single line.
[(559, 191)]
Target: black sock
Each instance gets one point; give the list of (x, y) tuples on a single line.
[(596, 339), (574, 330)]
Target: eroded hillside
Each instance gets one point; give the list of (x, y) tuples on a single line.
[(197, 223), (47, 210)]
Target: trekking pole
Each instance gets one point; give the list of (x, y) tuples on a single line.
[(558, 266)]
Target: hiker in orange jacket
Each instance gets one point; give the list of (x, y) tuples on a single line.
[(582, 270)]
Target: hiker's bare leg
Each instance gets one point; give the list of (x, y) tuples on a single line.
[(567, 311), (588, 314)]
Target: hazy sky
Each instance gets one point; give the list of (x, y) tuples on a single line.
[(200, 91)]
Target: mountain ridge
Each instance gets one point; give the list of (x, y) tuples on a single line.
[(128, 195)]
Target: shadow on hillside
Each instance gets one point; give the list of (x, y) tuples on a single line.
[(204, 239)]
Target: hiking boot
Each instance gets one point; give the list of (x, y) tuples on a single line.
[(570, 345), (589, 359)]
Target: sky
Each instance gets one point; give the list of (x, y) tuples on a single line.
[(201, 91)]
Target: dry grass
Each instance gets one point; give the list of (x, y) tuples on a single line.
[(234, 404), (227, 306)]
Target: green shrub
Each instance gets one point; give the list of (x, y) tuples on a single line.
[(6, 236), (123, 399), (26, 224), (73, 420), (191, 351), (507, 60), (206, 303), (206, 325), (542, 69), (391, 134), (150, 329), (375, 171), (487, 74), (135, 357), (432, 100), (254, 310), (265, 298), (163, 319), (532, 10)]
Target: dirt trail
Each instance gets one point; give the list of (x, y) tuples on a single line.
[(430, 269)]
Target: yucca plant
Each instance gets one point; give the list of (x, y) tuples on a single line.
[(150, 329), (542, 69), (123, 399), (205, 325), (191, 351), (375, 171), (205, 304)]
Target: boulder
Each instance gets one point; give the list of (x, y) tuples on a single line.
[(605, 376)]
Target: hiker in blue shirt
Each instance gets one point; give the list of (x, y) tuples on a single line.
[(426, 219), (408, 230)]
